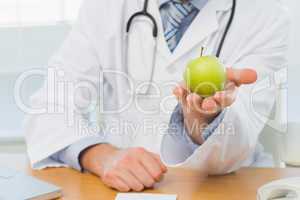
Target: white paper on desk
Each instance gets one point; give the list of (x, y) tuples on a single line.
[(144, 196)]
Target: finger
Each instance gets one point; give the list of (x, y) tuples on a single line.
[(176, 92), (180, 86), (119, 185), (209, 105), (142, 175), (230, 86), (130, 180), (226, 98), (194, 102), (116, 183), (241, 76), (183, 85), (180, 92), (158, 160), (152, 166)]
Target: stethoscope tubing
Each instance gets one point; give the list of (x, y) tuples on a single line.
[(144, 12)]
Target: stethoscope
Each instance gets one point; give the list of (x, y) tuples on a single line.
[(144, 13)]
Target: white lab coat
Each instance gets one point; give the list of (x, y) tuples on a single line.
[(258, 39)]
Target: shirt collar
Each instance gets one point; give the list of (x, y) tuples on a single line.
[(199, 4)]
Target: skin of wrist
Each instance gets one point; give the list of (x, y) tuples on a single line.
[(92, 158), (196, 127), (195, 130)]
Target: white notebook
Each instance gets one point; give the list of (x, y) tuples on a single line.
[(18, 186), (144, 196)]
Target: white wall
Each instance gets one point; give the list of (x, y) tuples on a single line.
[(22, 49), (294, 62), (30, 32), (271, 138)]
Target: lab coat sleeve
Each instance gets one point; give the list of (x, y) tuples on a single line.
[(63, 121), (235, 139), (71, 155)]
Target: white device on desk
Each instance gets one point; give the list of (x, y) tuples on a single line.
[(285, 189), (18, 186), (291, 154)]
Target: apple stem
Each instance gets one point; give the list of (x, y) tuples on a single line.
[(202, 51)]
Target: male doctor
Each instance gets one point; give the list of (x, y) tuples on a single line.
[(142, 132)]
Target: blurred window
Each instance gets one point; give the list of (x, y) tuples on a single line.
[(30, 32)]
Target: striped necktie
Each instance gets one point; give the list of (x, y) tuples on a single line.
[(173, 13)]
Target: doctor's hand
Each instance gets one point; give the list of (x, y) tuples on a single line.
[(199, 112), (123, 169)]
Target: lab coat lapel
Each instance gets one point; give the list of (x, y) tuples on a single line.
[(204, 25)]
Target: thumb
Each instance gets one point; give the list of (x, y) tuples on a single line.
[(241, 76), (158, 159)]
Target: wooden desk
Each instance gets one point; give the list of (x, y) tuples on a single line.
[(188, 185)]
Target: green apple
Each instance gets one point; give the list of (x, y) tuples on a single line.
[(205, 76)]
